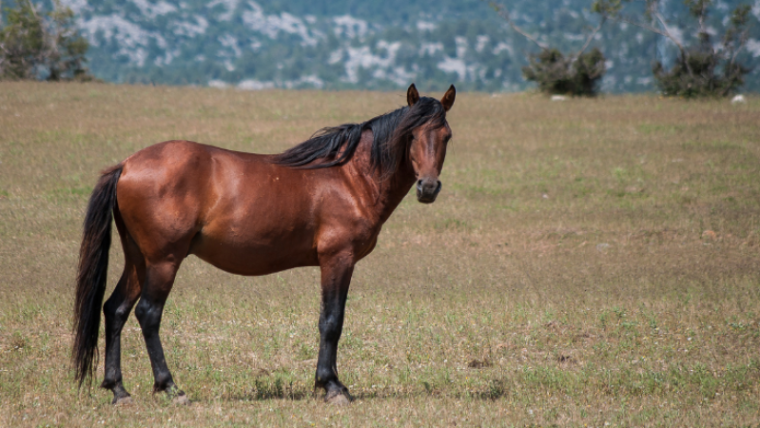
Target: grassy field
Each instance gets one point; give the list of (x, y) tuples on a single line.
[(588, 263)]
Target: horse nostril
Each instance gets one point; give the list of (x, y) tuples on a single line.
[(428, 187)]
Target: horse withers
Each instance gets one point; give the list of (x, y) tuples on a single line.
[(321, 203)]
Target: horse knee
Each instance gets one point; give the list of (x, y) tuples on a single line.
[(109, 309), (148, 313), (116, 309)]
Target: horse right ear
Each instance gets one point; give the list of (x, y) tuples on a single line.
[(448, 98), (412, 96)]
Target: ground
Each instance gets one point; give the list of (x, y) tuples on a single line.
[(587, 263)]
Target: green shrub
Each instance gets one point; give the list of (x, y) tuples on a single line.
[(556, 73), (707, 70), (700, 74), (703, 68)]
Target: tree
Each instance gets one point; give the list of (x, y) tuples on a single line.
[(700, 69), (575, 74), (44, 46)]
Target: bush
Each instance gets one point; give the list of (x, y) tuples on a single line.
[(708, 70), (557, 74), (42, 46), (700, 74), (702, 69)]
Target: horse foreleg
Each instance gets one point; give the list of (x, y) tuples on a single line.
[(336, 277), (158, 283), (116, 311)]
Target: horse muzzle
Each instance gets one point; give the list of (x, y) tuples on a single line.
[(427, 190)]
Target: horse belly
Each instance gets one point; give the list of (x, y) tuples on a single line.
[(255, 256)]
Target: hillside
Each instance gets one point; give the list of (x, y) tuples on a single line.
[(351, 44)]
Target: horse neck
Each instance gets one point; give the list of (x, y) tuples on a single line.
[(387, 192), (394, 188)]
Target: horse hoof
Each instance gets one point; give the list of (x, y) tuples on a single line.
[(122, 401), (338, 399), (181, 399)]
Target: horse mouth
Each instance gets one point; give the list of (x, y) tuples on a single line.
[(425, 196)]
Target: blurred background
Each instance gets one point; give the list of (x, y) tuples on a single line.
[(351, 44)]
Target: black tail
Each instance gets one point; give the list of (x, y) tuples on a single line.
[(93, 267)]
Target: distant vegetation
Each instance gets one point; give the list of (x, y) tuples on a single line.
[(557, 73), (41, 45), (348, 44), (702, 67)]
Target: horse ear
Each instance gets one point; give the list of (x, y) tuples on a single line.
[(448, 98), (412, 96)]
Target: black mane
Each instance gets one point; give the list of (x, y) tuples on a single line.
[(390, 132)]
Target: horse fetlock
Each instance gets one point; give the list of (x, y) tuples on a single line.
[(114, 384), (108, 383), (166, 385), (331, 386), (324, 378)]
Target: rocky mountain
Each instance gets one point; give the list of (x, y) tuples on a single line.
[(343, 44)]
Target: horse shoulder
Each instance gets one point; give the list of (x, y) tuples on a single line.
[(348, 222)]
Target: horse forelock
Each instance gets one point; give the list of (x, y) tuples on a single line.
[(391, 136)]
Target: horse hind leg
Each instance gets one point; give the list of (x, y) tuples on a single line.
[(116, 311), (159, 279)]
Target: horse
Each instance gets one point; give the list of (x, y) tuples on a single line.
[(320, 203)]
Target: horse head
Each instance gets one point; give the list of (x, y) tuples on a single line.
[(429, 138)]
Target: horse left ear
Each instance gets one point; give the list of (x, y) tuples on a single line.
[(448, 98), (412, 96)]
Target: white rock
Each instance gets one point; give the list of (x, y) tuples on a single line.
[(220, 84), (739, 99), (558, 98), (254, 85)]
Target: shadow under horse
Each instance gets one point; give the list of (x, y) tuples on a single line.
[(321, 203)]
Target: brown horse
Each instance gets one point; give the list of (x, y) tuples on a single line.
[(321, 203)]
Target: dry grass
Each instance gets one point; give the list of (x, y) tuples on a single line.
[(588, 263)]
